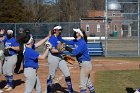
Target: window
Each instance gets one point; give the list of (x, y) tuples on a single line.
[(87, 28), (98, 27)]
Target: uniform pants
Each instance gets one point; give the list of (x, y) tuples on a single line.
[(31, 80), (55, 62), (0, 67), (9, 64), (85, 69)]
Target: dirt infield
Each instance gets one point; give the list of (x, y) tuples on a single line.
[(59, 81)]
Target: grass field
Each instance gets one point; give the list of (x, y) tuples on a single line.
[(117, 81)]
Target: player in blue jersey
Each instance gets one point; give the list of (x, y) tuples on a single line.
[(56, 61), (82, 54), (31, 58), (10, 52)]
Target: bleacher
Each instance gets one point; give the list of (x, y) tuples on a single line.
[(95, 49)]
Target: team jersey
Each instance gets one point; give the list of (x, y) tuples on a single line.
[(54, 42), (81, 50), (10, 42), (30, 58)]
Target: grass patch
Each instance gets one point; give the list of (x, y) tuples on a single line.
[(117, 81)]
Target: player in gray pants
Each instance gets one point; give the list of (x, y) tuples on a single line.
[(82, 55), (55, 61), (1, 49), (1, 60), (31, 63), (11, 46)]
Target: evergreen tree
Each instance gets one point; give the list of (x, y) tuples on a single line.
[(11, 11)]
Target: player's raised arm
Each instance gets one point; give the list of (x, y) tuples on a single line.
[(43, 40)]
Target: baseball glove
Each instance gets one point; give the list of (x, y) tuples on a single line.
[(6, 52), (48, 44), (61, 47), (69, 59)]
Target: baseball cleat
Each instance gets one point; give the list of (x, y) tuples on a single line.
[(7, 86), (137, 91), (8, 89)]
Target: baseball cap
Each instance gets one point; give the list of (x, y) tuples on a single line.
[(58, 27), (78, 31), (10, 31)]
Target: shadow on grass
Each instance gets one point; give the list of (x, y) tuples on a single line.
[(130, 90), (58, 88), (15, 83)]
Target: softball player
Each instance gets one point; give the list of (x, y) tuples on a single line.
[(31, 64), (20, 56), (1, 57), (82, 55), (1, 53), (55, 61), (11, 59)]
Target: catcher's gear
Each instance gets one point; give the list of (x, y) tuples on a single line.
[(1, 55), (68, 59), (48, 44), (61, 46)]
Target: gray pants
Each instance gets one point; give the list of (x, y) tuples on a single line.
[(31, 81), (55, 62), (0, 67), (85, 69), (9, 64)]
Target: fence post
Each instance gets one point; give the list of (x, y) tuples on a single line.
[(15, 30), (106, 28), (138, 28)]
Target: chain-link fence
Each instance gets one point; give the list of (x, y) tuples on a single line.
[(120, 28), (125, 26)]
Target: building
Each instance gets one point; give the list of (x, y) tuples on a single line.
[(94, 24)]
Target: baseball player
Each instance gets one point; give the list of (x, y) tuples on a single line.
[(11, 48), (1, 51), (82, 55), (20, 53), (31, 64), (55, 61)]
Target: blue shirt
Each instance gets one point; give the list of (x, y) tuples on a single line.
[(81, 50), (54, 42), (10, 42), (31, 58)]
